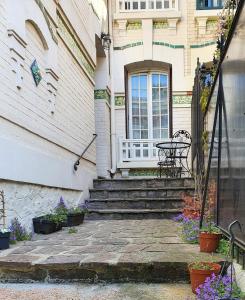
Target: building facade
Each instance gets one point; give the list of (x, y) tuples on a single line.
[(62, 82)]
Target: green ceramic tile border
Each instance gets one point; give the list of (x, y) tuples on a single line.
[(144, 172), (102, 95), (45, 14), (120, 100), (129, 46), (73, 45), (169, 45), (160, 24), (203, 45), (182, 99)]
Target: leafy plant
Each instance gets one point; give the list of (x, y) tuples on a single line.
[(224, 247), (61, 208), (18, 232), (190, 230), (75, 210), (72, 230), (218, 287), (205, 140), (204, 97), (202, 266)]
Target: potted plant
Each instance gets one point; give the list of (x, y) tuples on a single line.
[(48, 223), (4, 238), (4, 233), (199, 271), (209, 238), (75, 216)]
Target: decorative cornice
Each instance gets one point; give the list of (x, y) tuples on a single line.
[(168, 45), (128, 46), (76, 50), (182, 99), (45, 14), (119, 100), (203, 45), (102, 95)]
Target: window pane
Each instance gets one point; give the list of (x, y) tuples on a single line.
[(166, 3), (143, 4), (143, 95), (151, 4), (155, 108), (135, 95), (164, 94), (164, 121), (164, 108), (155, 94), (143, 109), (136, 123), (144, 122), (143, 82), (163, 80), (136, 134), (155, 80), (135, 82), (144, 134), (156, 122), (159, 4), (164, 133), (156, 133), (135, 5), (135, 109)]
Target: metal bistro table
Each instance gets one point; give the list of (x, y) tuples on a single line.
[(173, 157)]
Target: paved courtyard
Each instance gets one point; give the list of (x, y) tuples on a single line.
[(96, 292), (104, 251)]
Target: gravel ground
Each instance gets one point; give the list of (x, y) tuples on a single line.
[(95, 292)]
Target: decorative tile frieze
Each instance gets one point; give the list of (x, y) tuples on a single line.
[(204, 44), (182, 99), (75, 48), (134, 25), (120, 100), (144, 172), (102, 95), (129, 46), (168, 45), (45, 14), (160, 24)]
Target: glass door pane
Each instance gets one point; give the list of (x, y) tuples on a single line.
[(139, 108)]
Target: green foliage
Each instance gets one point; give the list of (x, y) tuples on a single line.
[(204, 97), (56, 218), (75, 210), (18, 232), (72, 230), (201, 266), (205, 140), (224, 247)]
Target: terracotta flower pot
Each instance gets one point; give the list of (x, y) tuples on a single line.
[(209, 242), (198, 276)]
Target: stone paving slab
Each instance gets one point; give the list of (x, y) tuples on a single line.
[(96, 292), (111, 251)]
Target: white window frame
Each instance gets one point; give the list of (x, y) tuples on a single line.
[(149, 103), (130, 2)]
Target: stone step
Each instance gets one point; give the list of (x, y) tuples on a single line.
[(135, 203), (131, 214), (140, 193), (142, 183)]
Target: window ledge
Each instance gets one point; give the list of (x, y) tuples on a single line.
[(139, 15), (207, 13)]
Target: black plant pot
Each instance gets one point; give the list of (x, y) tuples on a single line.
[(44, 226), (4, 240), (75, 219)]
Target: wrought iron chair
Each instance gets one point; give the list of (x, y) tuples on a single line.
[(166, 162), (182, 154)]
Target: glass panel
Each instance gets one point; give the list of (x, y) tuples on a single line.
[(135, 95), (155, 108), (144, 134), (166, 3), (144, 122), (143, 109), (142, 4), (164, 133), (164, 108), (135, 5), (159, 4), (155, 80), (135, 110), (155, 94), (151, 4), (145, 153), (136, 123), (163, 80), (135, 82), (156, 133), (143, 82), (156, 122), (136, 134), (163, 94), (143, 95), (164, 121), (137, 153)]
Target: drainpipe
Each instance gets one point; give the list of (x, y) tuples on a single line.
[(113, 125)]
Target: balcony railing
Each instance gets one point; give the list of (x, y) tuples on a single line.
[(138, 150), (210, 4), (143, 5)]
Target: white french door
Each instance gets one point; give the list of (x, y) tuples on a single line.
[(148, 106)]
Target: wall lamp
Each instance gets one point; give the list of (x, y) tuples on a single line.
[(106, 40)]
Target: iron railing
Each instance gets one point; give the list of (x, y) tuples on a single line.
[(85, 150)]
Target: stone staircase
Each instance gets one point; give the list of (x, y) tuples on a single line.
[(116, 199)]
